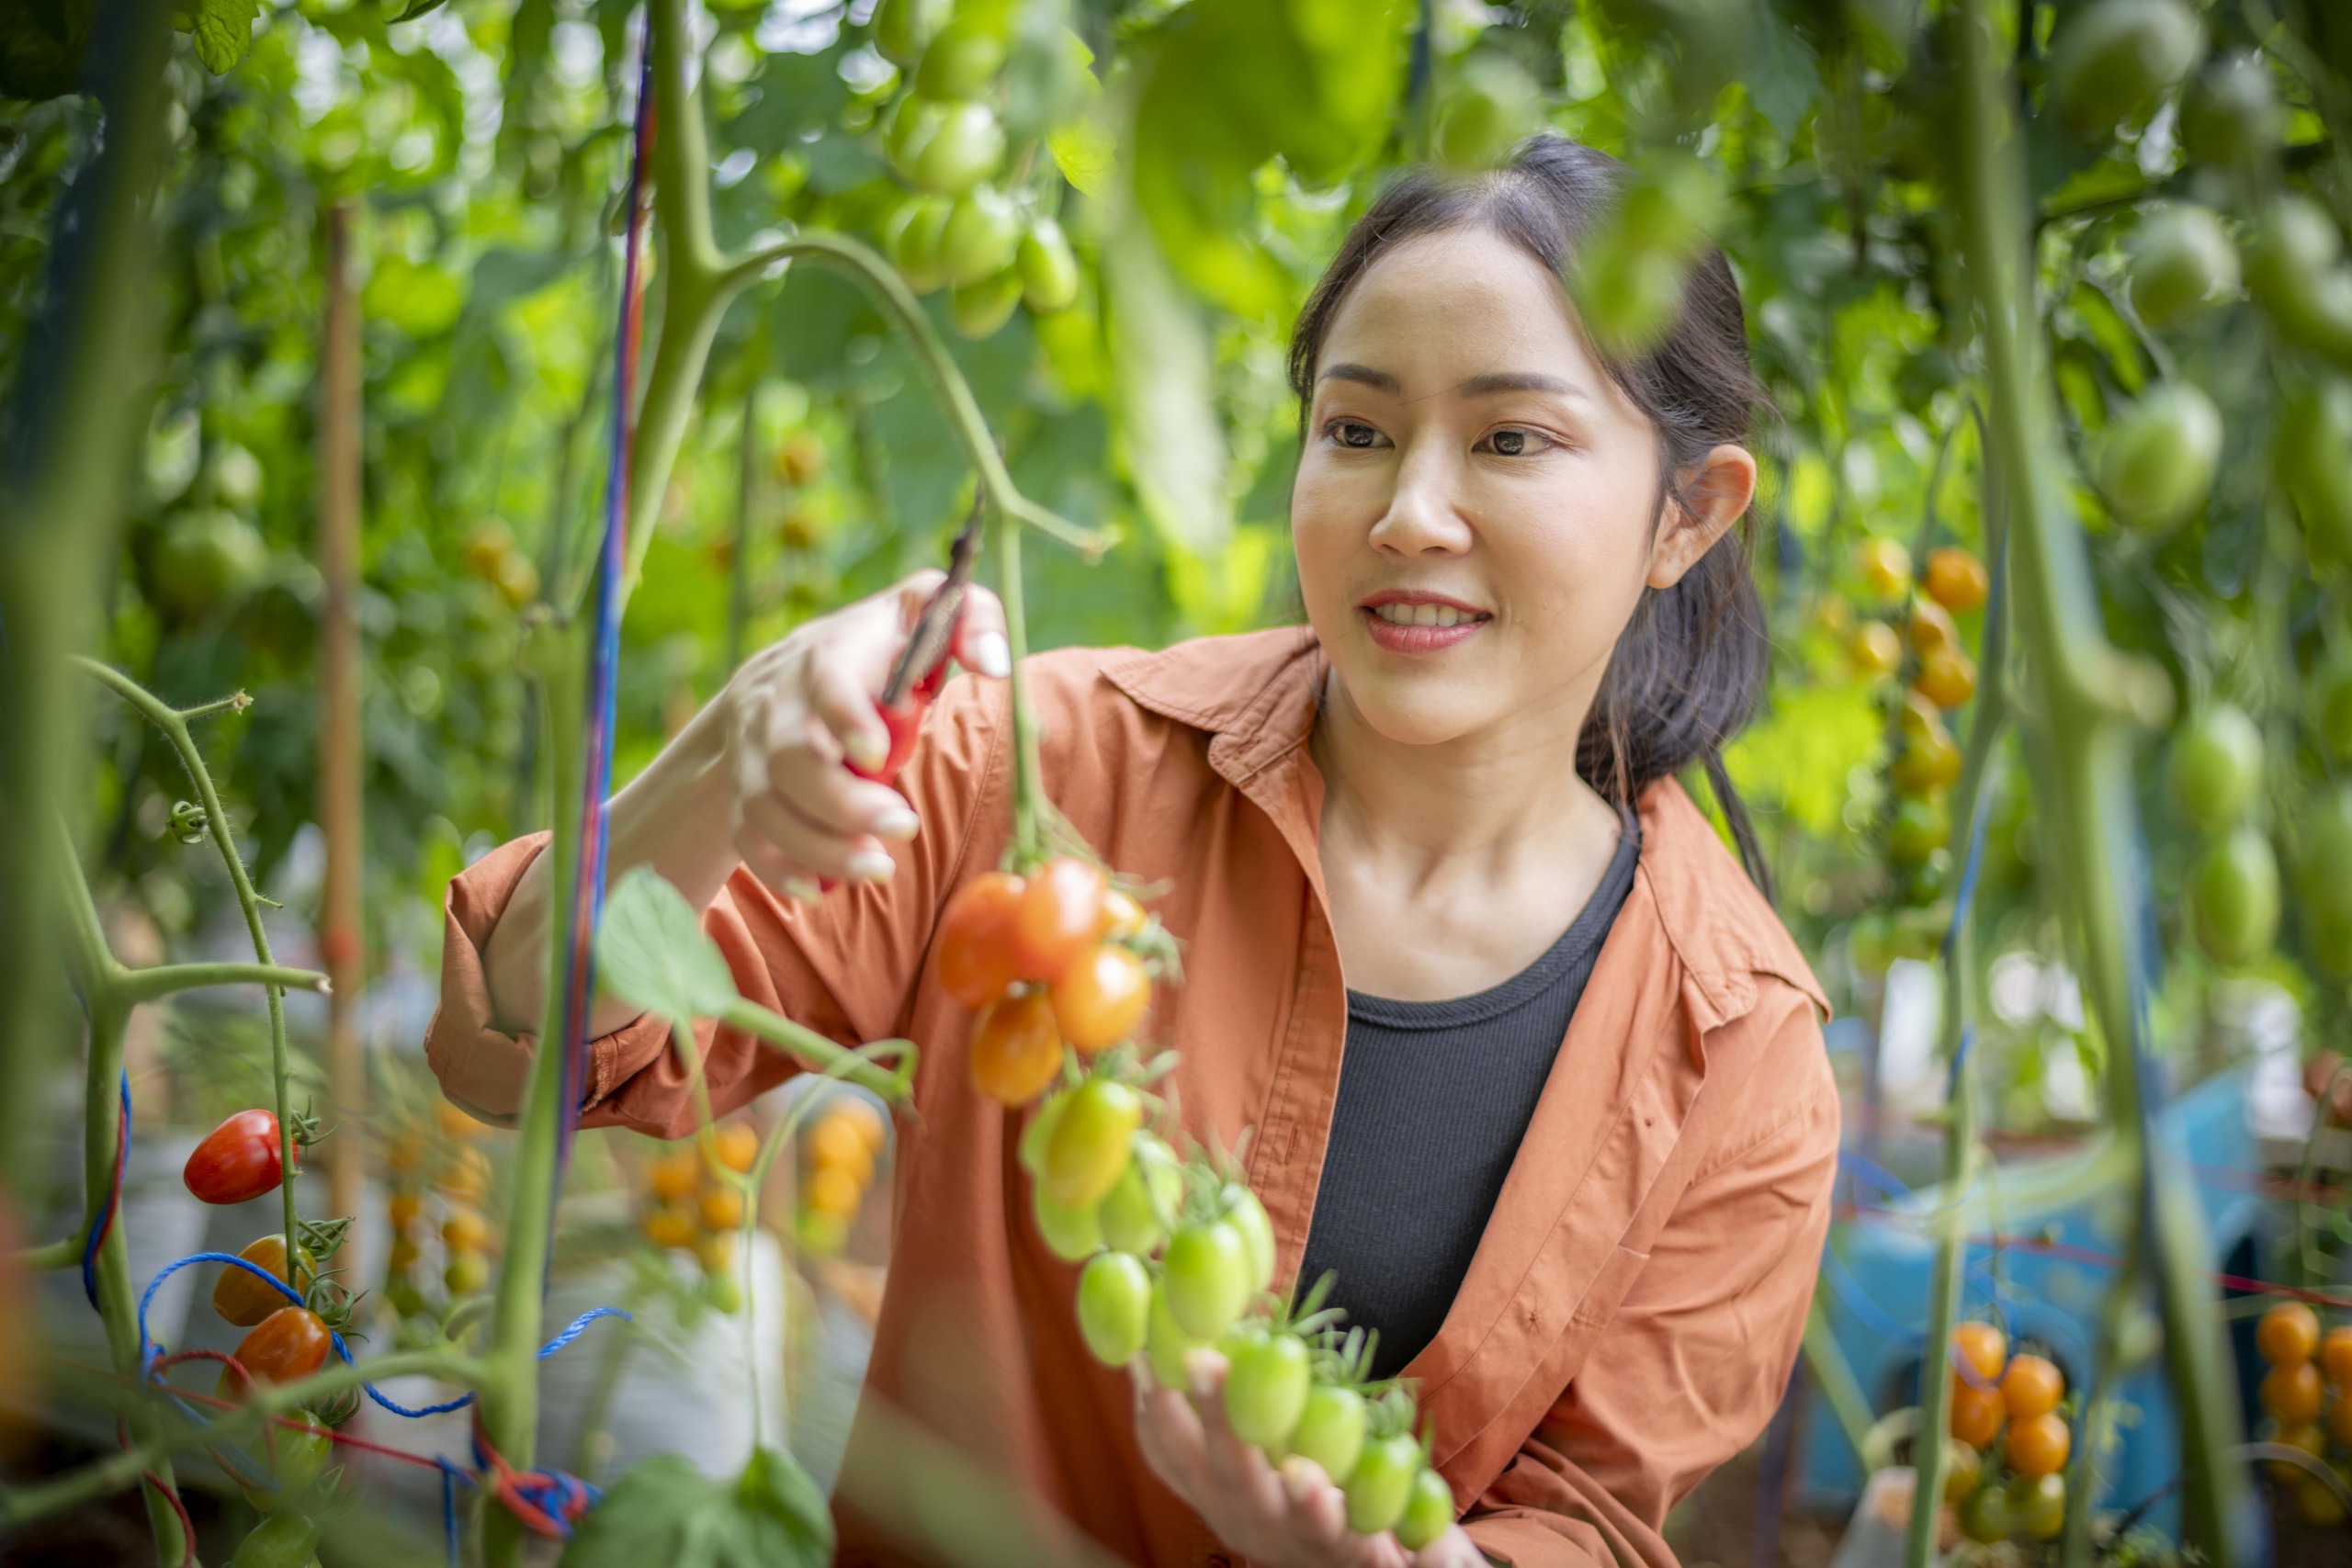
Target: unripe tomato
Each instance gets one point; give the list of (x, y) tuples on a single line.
[(2157, 457), (1875, 650), (1137, 1212), (668, 1227), (1265, 1390), (833, 1190), (721, 1208), (1963, 1469), (1206, 1276), (801, 460), (286, 1347), (675, 1175), (1016, 1051), (2287, 1334), (1975, 1414), (237, 1160), (2182, 261), (1927, 763), (820, 1233), (2231, 115), (1920, 829), (208, 559), (977, 960), (1946, 678), (944, 148), (902, 28), (2235, 895), (717, 1253), (1246, 1214), (1038, 1136), (1057, 916), (979, 309), (2290, 267), (1048, 268), (1114, 1306), (912, 239), (1428, 1511), (2113, 62), (465, 1230), (1090, 1142), (2216, 767), (723, 1292), (1985, 1516), (1165, 1341), (2032, 1386), (982, 233), (2318, 1503), (2325, 869), (2335, 1356), (2037, 1506), (1381, 1483), (2293, 1392), (735, 1145), (243, 1301), (1099, 1000), (285, 1540), (1955, 578), (1886, 566), (2036, 1445), (1071, 1233), (1331, 1429), (2312, 454), (961, 62), (466, 1273), (300, 1453), (2331, 705), (2305, 1436)]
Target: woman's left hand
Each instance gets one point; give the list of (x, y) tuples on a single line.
[(1290, 1516)]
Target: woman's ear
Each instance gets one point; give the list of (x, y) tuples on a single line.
[(1716, 491)]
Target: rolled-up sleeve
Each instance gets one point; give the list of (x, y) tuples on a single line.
[(1695, 1360)]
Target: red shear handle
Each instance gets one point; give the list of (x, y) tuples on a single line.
[(904, 723)]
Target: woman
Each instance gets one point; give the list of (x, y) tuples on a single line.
[(1575, 1159)]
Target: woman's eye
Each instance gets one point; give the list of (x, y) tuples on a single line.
[(1515, 442), (1353, 432)]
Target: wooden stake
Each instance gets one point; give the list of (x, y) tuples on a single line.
[(341, 749)]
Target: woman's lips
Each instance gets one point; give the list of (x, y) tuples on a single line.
[(1395, 638)]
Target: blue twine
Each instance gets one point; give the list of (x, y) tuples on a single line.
[(1873, 1174), (450, 1476), (102, 1225)]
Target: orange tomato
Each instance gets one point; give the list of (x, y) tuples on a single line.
[(831, 1191), (403, 1255), (1955, 578), (2037, 1445), (244, 1301), (735, 1145), (977, 964), (1886, 564), (1875, 650), (1975, 1414), (1122, 916), (1099, 1000), (717, 1253), (837, 1142), (860, 1114), (1059, 912), (2288, 1333), (668, 1227), (1931, 629), (675, 1175), (402, 1210), (1016, 1051), (2293, 1392), (453, 1122), (721, 1208), (1946, 678), (1983, 1346), (2335, 1356), (2031, 1387), (467, 1175), (465, 1230)]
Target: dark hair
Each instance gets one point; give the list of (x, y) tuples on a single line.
[(1688, 670)]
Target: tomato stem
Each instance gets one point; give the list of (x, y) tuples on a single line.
[(1029, 807)]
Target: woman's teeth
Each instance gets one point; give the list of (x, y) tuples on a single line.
[(1401, 615)]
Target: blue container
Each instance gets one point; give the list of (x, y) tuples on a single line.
[(1878, 1271)]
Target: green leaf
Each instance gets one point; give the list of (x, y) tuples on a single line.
[(652, 952), (666, 1511), (223, 31)]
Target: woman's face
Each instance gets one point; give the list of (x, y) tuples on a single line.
[(1474, 508)]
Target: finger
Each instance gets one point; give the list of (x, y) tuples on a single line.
[(913, 591), (812, 780), (1235, 1467), (813, 849), (778, 872), (980, 634), (842, 685), (1319, 1510), (1169, 1432), (1455, 1549)]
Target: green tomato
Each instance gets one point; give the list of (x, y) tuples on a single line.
[(1494, 104), (1246, 1214), (2290, 267), (2331, 705), (1985, 1516), (209, 557), (1114, 1306), (912, 240), (1205, 1275), (2182, 261), (2234, 894), (1165, 1341), (1141, 1204), (1048, 268), (1089, 1144), (1331, 1429), (1071, 1233), (2037, 1509), (2232, 115), (2327, 939), (983, 233), (1382, 1483), (282, 1540), (952, 147), (1265, 1390), (1428, 1511), (302, 1455), (724, 1292), (2111, 63), (2216, 767), (2324, 870), (903, 28), (2311, 455), (962, 61), (1920, 829), (2157, 458), (979, 309), (1036, 1138)]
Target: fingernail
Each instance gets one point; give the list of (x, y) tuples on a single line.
[(801, 888), (867, 750), (871, 865), (990, 655), (895, 822)]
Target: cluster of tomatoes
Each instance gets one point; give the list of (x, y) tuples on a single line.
[(837, 1155), (960, 232), (1176, 1253), (2007, 1461), (2216, 778), (2308, 1396), (452, 1167), (491, 555), (698, 1206)]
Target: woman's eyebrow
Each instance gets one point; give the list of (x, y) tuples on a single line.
[(1518, 381), (1363, 374)]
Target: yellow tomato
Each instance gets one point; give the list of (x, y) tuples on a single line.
[(666, 1226), (2032, 1386), (839, 1143), (674, 1175), (465, 1230), (832, 1191), (721, 1208), (1946, 678), (1886, 564), (402, 1210), (1932, 627), (735, 1145), (453, 1122), (717, 1253), (1875, 650), (1955, 579)]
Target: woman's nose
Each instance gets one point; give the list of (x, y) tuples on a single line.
[(1423, 516)]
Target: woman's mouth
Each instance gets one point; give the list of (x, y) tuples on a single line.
[(1413, 623)]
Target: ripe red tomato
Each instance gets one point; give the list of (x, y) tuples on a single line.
[(1059, 912), (289, 1345), (238, 1159), (2031, 1387), (1099, 1000), (1015, 1051), (244, 1301), (2037, 1445), (976, 957)]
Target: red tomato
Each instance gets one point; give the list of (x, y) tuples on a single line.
[(1016, 1052), (1099, 1000), (975, 958), (237, 1160), (1060, 911), (288, 1345)]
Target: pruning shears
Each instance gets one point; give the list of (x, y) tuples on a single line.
[(921, 667)]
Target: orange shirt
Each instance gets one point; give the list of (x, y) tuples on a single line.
[(1636, 1300)]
